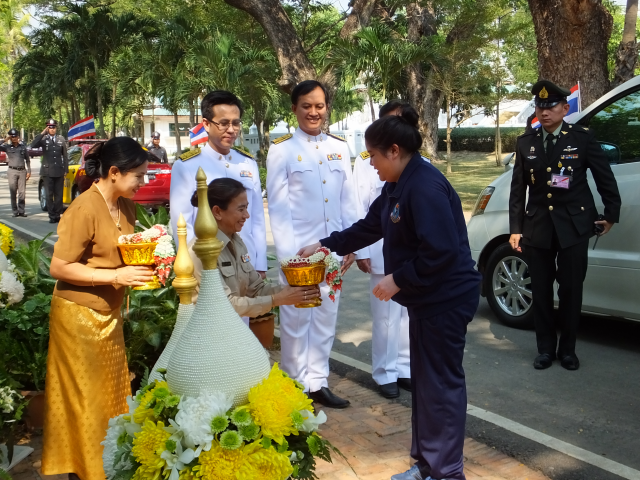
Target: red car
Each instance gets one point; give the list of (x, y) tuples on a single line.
[(153, 194), (3, 157)]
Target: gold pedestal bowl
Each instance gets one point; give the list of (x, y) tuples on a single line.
[(305, 276), (141, 254)]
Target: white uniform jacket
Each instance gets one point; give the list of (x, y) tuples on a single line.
[(368, 187), (310, 190), (237, 165)]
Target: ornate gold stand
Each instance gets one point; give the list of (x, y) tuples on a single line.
[(141, 254), (305, 276)]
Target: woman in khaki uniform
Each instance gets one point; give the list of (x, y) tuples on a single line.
[(87, 376), (249, 294)]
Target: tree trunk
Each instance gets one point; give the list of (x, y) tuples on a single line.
[(141, 129), (192, 113), (361, 13), (114, 92), (449, 135), (178, 143), (96, 71), (572, 38), (627, 54), (153, 116), (373, 110), (11, 110), (498, 139)]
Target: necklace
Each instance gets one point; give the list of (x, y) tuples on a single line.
[(105, 201)]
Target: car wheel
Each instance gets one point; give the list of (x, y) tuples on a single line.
[(42, 196), (507, 285)]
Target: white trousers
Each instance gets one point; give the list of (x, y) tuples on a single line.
[(306, 338), (389, 338)]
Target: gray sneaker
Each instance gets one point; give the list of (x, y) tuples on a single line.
[(412, 474)]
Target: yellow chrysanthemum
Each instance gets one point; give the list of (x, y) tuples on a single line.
[(142, 413), (148, 445), (269, 464), (187, 474), (7, 241), (273, 401), (221, 464)]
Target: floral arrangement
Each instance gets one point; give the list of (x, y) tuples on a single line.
[(12, 406), (11, 288), (165, 252), (321, 255), (273, 437), (7, 242)]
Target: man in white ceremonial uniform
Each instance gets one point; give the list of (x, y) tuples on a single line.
[(390, 326), (311, 195), (221, 116)]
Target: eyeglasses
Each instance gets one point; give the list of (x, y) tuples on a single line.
[(224, 124)]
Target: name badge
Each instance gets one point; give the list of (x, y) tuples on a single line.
[(245, 258), (334, 156), (560, 181), (246, 174), (226, 264)]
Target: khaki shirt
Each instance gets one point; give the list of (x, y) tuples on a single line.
[(248, 293)]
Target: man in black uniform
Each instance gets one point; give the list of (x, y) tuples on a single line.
[(18, 172), (155, 148), (552, 161), (55, 165)]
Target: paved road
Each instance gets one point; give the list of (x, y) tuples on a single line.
[(595, 408)]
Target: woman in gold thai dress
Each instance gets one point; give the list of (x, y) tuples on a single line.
[(87, 376)]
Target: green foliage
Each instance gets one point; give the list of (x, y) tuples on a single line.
[(33, 265), (4, 475), (149, 319), (24, 340), (308, 446), (148, 220), (479, 139), (263, 178)]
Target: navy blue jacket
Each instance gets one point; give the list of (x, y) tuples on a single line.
[(426, 247)]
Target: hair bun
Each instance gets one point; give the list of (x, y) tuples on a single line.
[(409, 115), (92, 160)]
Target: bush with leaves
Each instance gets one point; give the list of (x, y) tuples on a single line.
[(479, 139)]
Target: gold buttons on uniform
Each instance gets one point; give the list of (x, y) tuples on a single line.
[(548, 195), (548, 169), (582, 208), (320, 162), (316, 149), (227, 165), (327, 219), (531, 171), (326, 200), (549, 182), (324, 181), (550, 207)]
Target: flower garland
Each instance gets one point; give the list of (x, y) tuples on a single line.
[(321, 255), (7, 242), (204, 438), (165, 253)]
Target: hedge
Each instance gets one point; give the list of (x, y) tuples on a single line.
[(479, 139)]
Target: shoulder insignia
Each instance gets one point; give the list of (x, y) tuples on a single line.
[(242, 152), (564, 132), (364, 155), (585, 129), (283, 138), (337, 137), (190, 154)]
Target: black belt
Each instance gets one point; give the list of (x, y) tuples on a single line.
[(17, 168)]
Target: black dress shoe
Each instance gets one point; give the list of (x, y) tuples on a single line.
[(15, 215), (543, 361), (326, 397), (405, 384), (22, 215), (570, 362), (389, 390)]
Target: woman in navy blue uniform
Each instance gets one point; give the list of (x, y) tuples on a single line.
[(429, 270)]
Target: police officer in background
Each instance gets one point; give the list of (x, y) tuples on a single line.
[(19, 170), (559, 218), (155, 148), (311, 195)]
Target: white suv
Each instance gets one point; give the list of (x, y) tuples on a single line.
[(613, 277)]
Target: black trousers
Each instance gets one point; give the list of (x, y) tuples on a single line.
[(570, 274), (54, 187), (439, 391)]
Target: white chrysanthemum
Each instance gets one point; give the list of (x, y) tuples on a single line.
[(195, 414), (110, 444), (10, 285), (164, 250)]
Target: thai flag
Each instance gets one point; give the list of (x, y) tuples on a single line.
[(198, 134), (574, 106), (82, 129)]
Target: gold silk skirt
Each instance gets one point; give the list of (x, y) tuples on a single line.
[(87, 384)]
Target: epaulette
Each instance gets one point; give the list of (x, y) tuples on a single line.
[(424, 154), (242, 152), (337, 137), (532, 131), (364, 155), (282, 138), (190, 154)]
